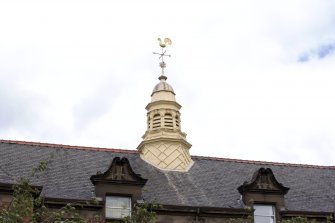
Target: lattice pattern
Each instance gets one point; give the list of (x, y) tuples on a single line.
[(167, 155)]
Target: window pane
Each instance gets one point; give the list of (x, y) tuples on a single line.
[(118, 202), (117, 207), (262, 219), (113, 213), (264, 214), (117, 213), (263, 210)]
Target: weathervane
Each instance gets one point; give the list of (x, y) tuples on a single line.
[(162, 64)]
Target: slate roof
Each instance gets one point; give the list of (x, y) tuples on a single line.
[(211, 182)]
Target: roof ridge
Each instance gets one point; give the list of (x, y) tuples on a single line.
[(264, 162), (54, 145), (101, 149)]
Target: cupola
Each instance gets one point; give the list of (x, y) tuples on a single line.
[(164, 145)]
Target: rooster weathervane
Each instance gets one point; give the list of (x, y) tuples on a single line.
[(162, 44)]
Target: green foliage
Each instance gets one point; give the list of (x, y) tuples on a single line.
[(142, 213), (22, 203), (27, 204), (247, 218), (304, 220), (66, 214), (25, 199), (297, 220)]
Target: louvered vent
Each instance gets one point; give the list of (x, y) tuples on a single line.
[(168, 121), (156, 123)]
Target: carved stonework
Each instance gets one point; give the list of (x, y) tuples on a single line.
[(263, 188), (119, 171), (265, 182), (120, 180)]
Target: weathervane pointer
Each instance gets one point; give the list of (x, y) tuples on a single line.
[(162, 64)]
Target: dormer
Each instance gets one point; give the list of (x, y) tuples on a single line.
[(119, 187), (264, 194)]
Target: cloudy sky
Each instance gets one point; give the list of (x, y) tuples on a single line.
[(256, 79)]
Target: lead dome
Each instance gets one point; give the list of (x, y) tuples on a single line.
[(162, 86)]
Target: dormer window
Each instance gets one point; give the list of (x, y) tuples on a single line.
[(117, 207), (110, 186), (263, 189), (264, 213)]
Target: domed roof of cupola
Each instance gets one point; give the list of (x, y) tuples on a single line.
[(162, 85)]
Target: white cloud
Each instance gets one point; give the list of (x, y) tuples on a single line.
[(82, 73)]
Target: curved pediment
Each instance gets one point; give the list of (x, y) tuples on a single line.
[(119, 172), (263, 181)]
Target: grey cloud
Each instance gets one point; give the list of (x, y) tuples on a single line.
[(319, 52), (95, 104), (325, 50), (304, 57), (17, 109)]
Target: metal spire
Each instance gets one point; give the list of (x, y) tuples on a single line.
[(162, 64)]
